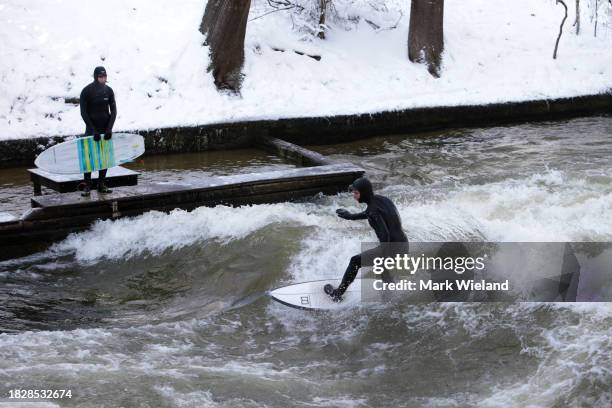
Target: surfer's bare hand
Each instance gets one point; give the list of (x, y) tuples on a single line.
[(342, 213)]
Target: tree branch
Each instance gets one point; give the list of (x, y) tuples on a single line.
[(279, 5), (596, 10), (560, 28), (577, 20)]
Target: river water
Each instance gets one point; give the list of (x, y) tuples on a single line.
[(166, 310)]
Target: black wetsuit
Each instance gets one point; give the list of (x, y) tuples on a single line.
[(383, 217), (98, 110)]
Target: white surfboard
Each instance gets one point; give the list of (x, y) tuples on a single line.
[(86, 155), (310, 295)]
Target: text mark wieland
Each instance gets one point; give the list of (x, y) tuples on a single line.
[(447, 285)]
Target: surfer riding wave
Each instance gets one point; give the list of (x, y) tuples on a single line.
[(383, 217)]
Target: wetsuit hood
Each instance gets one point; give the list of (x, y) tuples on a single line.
[(364, 187), (98, 71)]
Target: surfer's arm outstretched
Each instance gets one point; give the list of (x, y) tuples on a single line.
[(342, 213)]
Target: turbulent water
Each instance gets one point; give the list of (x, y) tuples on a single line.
[(169, 309)]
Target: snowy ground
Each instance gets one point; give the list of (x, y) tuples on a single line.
[(494, 51)]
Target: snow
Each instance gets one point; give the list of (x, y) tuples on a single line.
[(494, 51)]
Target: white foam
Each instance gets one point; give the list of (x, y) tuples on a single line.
[(202, 398), (346, 401), (541, 208), (575, 363), (154, 232)]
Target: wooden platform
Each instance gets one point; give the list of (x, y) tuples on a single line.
[(56, 215), (214, 190), (65, 183)]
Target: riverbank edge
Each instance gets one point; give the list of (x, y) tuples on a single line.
[(332, 129)]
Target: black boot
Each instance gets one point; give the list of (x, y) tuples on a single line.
[(102, 189), (329, 289), (86, 190)]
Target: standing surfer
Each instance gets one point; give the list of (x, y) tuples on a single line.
[(383, 217), (98, 110)]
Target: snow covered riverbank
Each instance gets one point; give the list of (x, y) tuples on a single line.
[(494, 52)]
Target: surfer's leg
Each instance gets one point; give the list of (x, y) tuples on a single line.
[(347, 279), (352, 269), (87, 187), (86, 176), (349, 274), (101, 184)]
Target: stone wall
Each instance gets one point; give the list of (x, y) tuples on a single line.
[(333, 129)]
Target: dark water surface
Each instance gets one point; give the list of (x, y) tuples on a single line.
[(167, 310)]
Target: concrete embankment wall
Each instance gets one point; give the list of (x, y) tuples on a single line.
[(333, 129)]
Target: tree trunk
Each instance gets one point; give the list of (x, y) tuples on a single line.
[(596, 8), (560, 28), (577, 21), (224, 26), (322, 13), (426, 34)]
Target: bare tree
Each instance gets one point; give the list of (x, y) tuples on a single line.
[(597, 5), (596, 8), (426, 34), (224, 26), (322, 15), (560, 28), (577, 20)]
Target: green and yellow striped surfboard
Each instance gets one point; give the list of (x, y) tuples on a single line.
[(94, 156)]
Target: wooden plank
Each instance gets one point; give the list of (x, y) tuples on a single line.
[(153, 191), (194, 198), (293, 152)]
